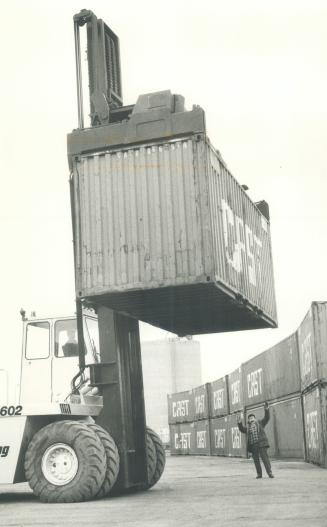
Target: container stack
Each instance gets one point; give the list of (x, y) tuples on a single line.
[(292, 377), (312, 337)]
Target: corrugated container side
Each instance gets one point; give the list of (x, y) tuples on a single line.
[(182, 439), (235, 390), (202, 438), (312, 336), (282, 369), (241, 238), (218, 397), (201, 402), (236, 440), (181, 407), (255, 380), (219, 436), (315, 423)]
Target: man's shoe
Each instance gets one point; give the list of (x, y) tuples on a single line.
[(271, 475), (259, 477)]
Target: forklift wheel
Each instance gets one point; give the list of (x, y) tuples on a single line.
[(112, 456), (65, 462), (151, 457), (160, 455)]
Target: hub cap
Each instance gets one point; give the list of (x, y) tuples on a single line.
[(59, 464)]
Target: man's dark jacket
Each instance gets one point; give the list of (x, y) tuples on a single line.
[(262, 438)]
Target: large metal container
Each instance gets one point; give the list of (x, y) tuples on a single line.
[(181, 407), (315, 424), (282, 369), (182, 439), (235, 390), (219, 436), (236, 440), (201, 402), (255, 380), (218, 397), (312, 336), (202, 445), (163, 231)]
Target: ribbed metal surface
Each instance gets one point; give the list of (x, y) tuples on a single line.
[(202, 438), (282, 369), (218, 397), (201, 402), (312, 337), (182, 439), (236, 440), (315, 423), (154, 219), (235, 390), (219, 436), (181, 407), (255, 386)]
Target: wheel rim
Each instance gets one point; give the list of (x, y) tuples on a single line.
[(59, 464)]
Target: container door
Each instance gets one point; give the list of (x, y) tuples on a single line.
[(36, 364)]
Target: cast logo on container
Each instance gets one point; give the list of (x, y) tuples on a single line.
[(312, 430), (180, 408), (254, 380), (199, 404), (236, 392), (236, 438), (243, 248), (201, 439), (220, 437), (4, 451), (218, 399), (183, 442)]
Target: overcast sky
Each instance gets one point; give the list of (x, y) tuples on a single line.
[(259, 70)]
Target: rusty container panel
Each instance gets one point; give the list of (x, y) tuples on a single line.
[(202, 445), (315, 424), (165, 234), (219, 436), (287, 422), (312, 336), (236, 440), (235, 390), (181, 407), (218, 397), (255, 380), (201, 402), (282, 369)]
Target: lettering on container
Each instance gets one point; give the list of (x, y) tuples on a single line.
[(183, 442), (220, 437), (218, 399), (236, 437), (306, 352), (312, 430), (199, 404), (201, 439), (4, 451), (181, 408), (236, 392), (243, 248), (254, 380)]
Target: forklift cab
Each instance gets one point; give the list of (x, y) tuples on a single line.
[(50, 357)]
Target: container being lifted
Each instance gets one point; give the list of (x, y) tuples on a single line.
[(163, 232)]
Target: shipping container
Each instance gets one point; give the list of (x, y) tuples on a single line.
[(162, 230), (218, 397), (312, 336), (181, 407), (219, 436), (201, 402), (202, 442), (236, 440), (182, 439), (282, 369), (315, 424), (255, 380), (235, 390)]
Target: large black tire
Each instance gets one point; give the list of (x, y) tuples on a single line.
[(151, 457), (82, 444), (112, 456), (160, 456)]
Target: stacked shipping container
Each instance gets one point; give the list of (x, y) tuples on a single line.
[(292, 376)]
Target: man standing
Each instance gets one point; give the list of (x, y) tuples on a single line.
[(257, 441)]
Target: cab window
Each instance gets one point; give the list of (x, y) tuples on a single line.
[(37, 340), (66, 344)]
